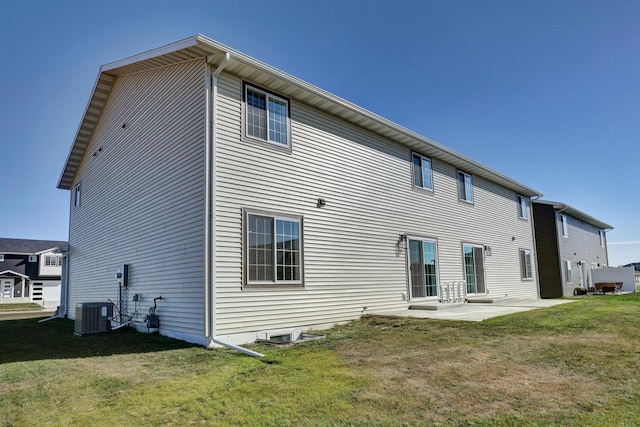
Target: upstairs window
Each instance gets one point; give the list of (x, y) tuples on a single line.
[(522, 207), (33, 258), (422, 175), (1, 257), (601, 238), (465, 187), (266, 116), (52, 260), (525, 264), (563, 225)]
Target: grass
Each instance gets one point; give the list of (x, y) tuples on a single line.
[(574, 364), (27, 306)]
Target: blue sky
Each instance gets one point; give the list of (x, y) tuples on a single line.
[(546, 92)]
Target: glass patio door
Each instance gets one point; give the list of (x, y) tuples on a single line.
[(423, 273), (474, 268)]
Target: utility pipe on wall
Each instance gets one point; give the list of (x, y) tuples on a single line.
[(211, 110)]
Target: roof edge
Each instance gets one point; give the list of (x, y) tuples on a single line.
[(575, 213), (152, 53), (213, 46)]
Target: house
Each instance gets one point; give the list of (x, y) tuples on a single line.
[(30, 271), (258, 205), (570, 244)]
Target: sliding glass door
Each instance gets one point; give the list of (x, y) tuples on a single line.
[(423, 268), (474, 268)]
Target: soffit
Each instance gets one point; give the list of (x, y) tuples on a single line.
[(260, 73)]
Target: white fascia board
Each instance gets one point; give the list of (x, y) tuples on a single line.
[(150, 54), (52, 250), (212, 47), (316, 91), (2, 273)]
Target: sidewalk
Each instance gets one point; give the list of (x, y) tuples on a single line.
[(9, 315)]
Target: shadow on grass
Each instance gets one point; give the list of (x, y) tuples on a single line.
[(26, 339)]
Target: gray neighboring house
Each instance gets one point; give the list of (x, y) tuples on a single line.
[(258, 205), (569, 244), (30, 271)]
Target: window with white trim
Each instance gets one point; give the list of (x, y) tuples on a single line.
[(33, 258), (465, 187), (1, 257), (76, 194), (522, 207), (568, 275), (52, 260), (266, 116), (525, 264), (273, 249), (601, 232), (563, 225), (422, 173)]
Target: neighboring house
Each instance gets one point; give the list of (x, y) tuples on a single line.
[(635, 265), (30, 271), (570, 244), (257, 204)]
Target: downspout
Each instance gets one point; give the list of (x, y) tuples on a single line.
[(211, 110)]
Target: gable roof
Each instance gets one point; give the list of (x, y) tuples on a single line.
[(13, 273), (27, 246), (570, 210), (260, 73)]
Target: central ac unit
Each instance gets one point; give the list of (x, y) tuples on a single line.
[(93, 317)]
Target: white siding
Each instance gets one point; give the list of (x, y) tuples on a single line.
[(351, 257), (581, 245), (143, 199), (44, 270)]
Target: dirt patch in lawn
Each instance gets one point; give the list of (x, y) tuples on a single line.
[(478, 373)]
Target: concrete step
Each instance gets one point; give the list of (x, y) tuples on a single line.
[(423, 307), (480, 300)]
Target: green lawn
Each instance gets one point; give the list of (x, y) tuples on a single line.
[(26, 306), (573, 364)]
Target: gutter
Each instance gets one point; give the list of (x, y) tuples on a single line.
[(211, 125)]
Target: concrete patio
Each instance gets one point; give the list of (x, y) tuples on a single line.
[(474, 311)]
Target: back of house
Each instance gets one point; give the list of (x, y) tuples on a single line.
[(570, 244), (260, 206)]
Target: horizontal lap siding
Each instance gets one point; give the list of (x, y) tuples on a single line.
[(581, 245), (351, 254), (143, 198)]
